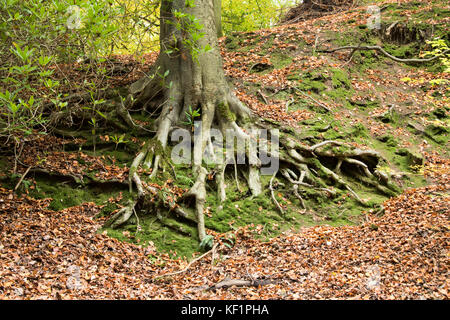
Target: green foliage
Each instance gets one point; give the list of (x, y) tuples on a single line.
[(118, 139), (191, 115), (20, 112), (248, 15), (69, 29), (439, 49), (38, 36), (191, 28), (207, 242)]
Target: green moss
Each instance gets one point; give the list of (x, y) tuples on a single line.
[(311, 85), (164, 238), (441, 113), (312, 81), (108, 209), (334, 134), (389, 140), (436, 12), (242, 212), (293, 75), (413, 158), (225, 112), (340, 79), (403, 51), (66, 195), (398, 161), (438, 133), (366, 105), (184, 180), (280, 60), (339, 93), (359, 130), (344, 209)]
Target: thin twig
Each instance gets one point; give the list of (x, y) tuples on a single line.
[(317, 102), (21, 178), (189, 265)]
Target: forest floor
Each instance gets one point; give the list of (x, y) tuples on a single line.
[(56, 192)]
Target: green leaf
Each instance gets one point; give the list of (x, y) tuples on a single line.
[(101, 114), (207, 242), (207, 48)]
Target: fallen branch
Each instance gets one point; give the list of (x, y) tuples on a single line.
[(380, 49), (351, 56), (241, 283)]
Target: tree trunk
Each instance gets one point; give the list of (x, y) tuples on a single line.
[(218, 16), (193, 79)]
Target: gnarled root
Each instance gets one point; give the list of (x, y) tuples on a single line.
[(122, 216), (310, 172), (198, 191), (303, 166), (225, 111)]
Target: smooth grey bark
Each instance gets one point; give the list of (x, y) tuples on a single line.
[(218, 16)]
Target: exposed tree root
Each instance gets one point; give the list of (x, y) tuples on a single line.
[(198, 191), (152, 154), (201, 85), (121, 216), (301, 165), (272, 194)]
